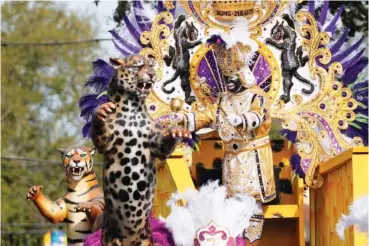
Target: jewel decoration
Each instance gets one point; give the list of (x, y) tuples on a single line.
[(321, 119)]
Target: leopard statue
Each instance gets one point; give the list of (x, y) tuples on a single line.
[(83, 201), (130, 142)]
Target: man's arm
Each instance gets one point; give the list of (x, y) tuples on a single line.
[(253, 118)]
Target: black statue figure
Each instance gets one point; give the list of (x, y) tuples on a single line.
[(284, 38), (179, 56)]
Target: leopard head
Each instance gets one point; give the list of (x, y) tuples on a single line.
[(134, 75), (77, 161)]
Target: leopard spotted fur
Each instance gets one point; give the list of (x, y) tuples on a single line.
[(130, 142)]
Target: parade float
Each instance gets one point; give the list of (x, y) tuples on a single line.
[(314, 77)]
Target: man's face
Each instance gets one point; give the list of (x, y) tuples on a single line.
[(233, 83)]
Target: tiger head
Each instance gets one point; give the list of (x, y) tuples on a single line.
[(77, 161), (134, 75)]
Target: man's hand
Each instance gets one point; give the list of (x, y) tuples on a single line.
[(234, 120)]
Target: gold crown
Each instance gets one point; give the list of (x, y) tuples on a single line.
[(233, 60), (229, 10)]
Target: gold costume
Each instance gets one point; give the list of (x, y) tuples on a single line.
[(248, 162)]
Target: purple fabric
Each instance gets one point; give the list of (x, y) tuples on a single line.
[(206, 71), (261, 70), (216, 79)]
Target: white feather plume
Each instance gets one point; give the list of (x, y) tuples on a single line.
[(358, 216), (239, 33), (208, 204)]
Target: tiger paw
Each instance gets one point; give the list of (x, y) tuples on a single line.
[(34, 192), (85, 207), (104, 110)]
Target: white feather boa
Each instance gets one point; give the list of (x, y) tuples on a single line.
[(358, 216), (208, 204)]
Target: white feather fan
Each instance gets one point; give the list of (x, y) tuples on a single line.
[(206, 205), (358, 216)]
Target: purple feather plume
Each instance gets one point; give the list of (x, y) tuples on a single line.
[(103, 69), (94, 239), (353, 60), (312, 8), (160, 6), (121, 50), (323, 13), (127, 45), (332, 25), (340, 42), (142, 21), (352, 72), (86, 130), (160, 234), (296, 167), (193, 141), (97, 83), (347, 52), (131, 28), (289, 135)]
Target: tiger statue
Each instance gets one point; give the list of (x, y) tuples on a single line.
[(130, 141), (82, 203)]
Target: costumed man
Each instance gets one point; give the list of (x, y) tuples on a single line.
[(242, 119)]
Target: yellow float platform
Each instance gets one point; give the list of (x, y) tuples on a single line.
[(284, 223)]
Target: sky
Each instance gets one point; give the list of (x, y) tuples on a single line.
[(103, 12)]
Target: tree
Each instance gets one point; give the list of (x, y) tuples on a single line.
[(41, 86)]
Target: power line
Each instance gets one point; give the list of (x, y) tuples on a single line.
[(8, 44), (39, 161)]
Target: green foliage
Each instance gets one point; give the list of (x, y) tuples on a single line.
[(41, 86), (122, 8), (354, 16)]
